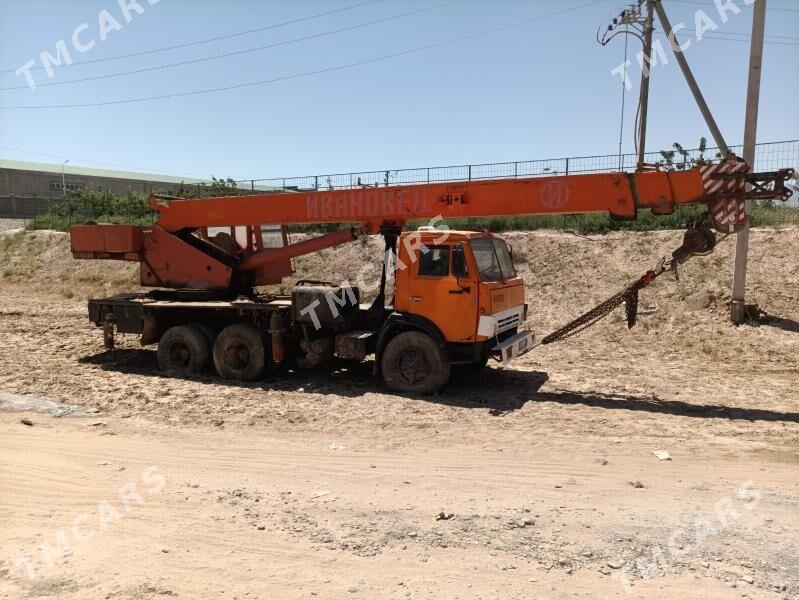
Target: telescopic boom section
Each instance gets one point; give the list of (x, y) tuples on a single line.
[(619, 194), (721, 186), (178, 252)]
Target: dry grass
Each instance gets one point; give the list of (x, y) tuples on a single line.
[(41, 260)]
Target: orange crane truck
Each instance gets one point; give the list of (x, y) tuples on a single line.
[(457, 297)]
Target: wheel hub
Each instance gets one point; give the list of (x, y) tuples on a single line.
[(179, 355), (237, 356), (414, 366)]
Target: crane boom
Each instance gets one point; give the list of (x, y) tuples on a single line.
[(177, 252), (619, 194)]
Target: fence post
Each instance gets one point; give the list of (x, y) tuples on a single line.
[(252, 185), (470, 172), (316, 182), (567, 166), (428, 174)]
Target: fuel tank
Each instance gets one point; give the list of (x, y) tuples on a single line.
[(325, 306)]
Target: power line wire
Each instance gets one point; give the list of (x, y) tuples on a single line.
[(744, 35), (314, 72), (718, 36), (239, 52), (213, 39), (794, 10)]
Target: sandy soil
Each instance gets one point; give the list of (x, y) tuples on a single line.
[(8, 224), (323, 484)]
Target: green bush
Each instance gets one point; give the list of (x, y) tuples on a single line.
[(86, 205), (82, 206)]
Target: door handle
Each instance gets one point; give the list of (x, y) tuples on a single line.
[(416, 298), (465, 290)]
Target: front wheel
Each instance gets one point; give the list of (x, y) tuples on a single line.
[(240, 353), (413, 362)]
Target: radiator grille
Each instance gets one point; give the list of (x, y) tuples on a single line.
[(509, 322)]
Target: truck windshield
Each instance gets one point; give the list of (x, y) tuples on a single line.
[(492, 258)]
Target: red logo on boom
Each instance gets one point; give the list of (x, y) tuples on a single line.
[(555, 194)]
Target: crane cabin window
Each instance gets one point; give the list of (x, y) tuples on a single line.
[(434, 262)]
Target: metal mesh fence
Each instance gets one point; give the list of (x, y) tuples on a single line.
[(768, 157)]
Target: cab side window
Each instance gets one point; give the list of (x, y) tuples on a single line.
[(434, 262), (459, 266)]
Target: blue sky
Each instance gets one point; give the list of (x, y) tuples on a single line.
[(539, 90)]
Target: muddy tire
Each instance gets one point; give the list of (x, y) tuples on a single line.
[(209, 333), (183, 351), (413, 362), (240, 353)]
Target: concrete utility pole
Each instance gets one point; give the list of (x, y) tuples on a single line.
[(689, 77), (738, 304), (649, 27), (63, 180)]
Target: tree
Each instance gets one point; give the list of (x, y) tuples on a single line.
[(688, 161)]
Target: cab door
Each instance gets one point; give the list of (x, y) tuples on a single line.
[(441, 288)]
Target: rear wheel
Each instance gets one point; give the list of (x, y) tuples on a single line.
[(183, 350), (206, 331), (414, 362), (240, 353)]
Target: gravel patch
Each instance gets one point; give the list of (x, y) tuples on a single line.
[(8, 224)]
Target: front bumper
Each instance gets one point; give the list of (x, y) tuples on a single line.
[(514, 346)]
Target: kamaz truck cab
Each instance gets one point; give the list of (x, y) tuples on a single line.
[(460, 290)]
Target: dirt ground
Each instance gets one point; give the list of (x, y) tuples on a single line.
[(538, 479), (6, 224)]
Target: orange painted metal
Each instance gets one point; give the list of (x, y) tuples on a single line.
[(619, 194), (454, 304), (168, 261), (503, 295), (106, 240), (443, 300), (172, 257), (271, 255)]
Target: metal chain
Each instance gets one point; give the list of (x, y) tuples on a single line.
[(628, 296)]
